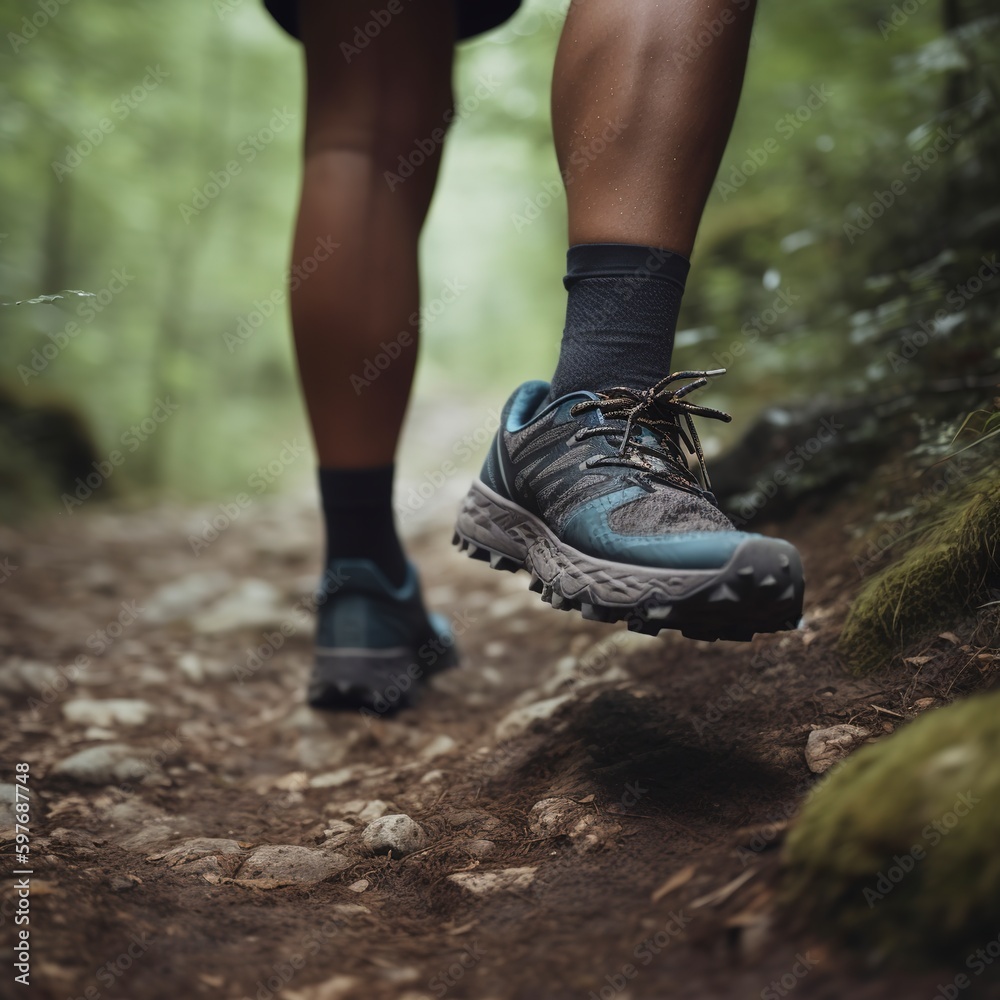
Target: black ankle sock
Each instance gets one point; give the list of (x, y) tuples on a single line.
[(357, 508), (621, 316)]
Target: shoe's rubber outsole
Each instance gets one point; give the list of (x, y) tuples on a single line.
[(381, 682), (759, 589)]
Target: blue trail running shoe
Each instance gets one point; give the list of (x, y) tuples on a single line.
[(375, 643), (592, 494)]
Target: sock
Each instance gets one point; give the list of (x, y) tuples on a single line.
[(357, 508), (621, 316)]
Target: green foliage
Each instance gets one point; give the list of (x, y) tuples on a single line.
[(895, 850), (118, 121), (944, 574)]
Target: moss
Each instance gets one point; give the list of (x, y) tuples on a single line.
[(940, 580), (882, 855)]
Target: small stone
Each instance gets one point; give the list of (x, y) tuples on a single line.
[(826, 747), (29, 677), (922, 704), (359, 886), (107, 712), (119, 883), (334, 779), (185, 597), (439, 745), (396, 833), (431, 776), (293, 863), (191, 667), (554, 817), (520, 720), (253, 604), (478, 848), (113, 763), (338, 988), (485, 883), (563, 817), (198, 847), (373, 810)]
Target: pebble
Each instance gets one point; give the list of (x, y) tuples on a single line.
[(504, 880), (253, 604), (373, 810), (359, 886), (478, 848), (289, 861), (439, 745), (396, 833), (554, 817), (110, 764), (520, 720), (826, 747), (185, 597), (29, 677), (107, 712), (431, 776), (560, 816), (338, 988), (334, 779), (196, 848)]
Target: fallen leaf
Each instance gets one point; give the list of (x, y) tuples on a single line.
[(951, 637)]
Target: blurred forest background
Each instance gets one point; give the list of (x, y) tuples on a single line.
[(847, 251)]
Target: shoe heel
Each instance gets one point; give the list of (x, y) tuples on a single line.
[(488, 531)]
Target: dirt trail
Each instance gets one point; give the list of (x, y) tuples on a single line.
[(676, 762)]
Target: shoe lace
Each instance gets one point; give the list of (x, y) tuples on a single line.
[(668, 416)]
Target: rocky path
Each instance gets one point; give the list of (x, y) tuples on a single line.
[(575, 812)]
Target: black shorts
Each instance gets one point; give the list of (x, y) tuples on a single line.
[(472, 16)]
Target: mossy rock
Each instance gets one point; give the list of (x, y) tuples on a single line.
[(897, 850), (939, 581)]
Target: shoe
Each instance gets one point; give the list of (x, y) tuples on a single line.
[(375, 643), (592, 494)]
